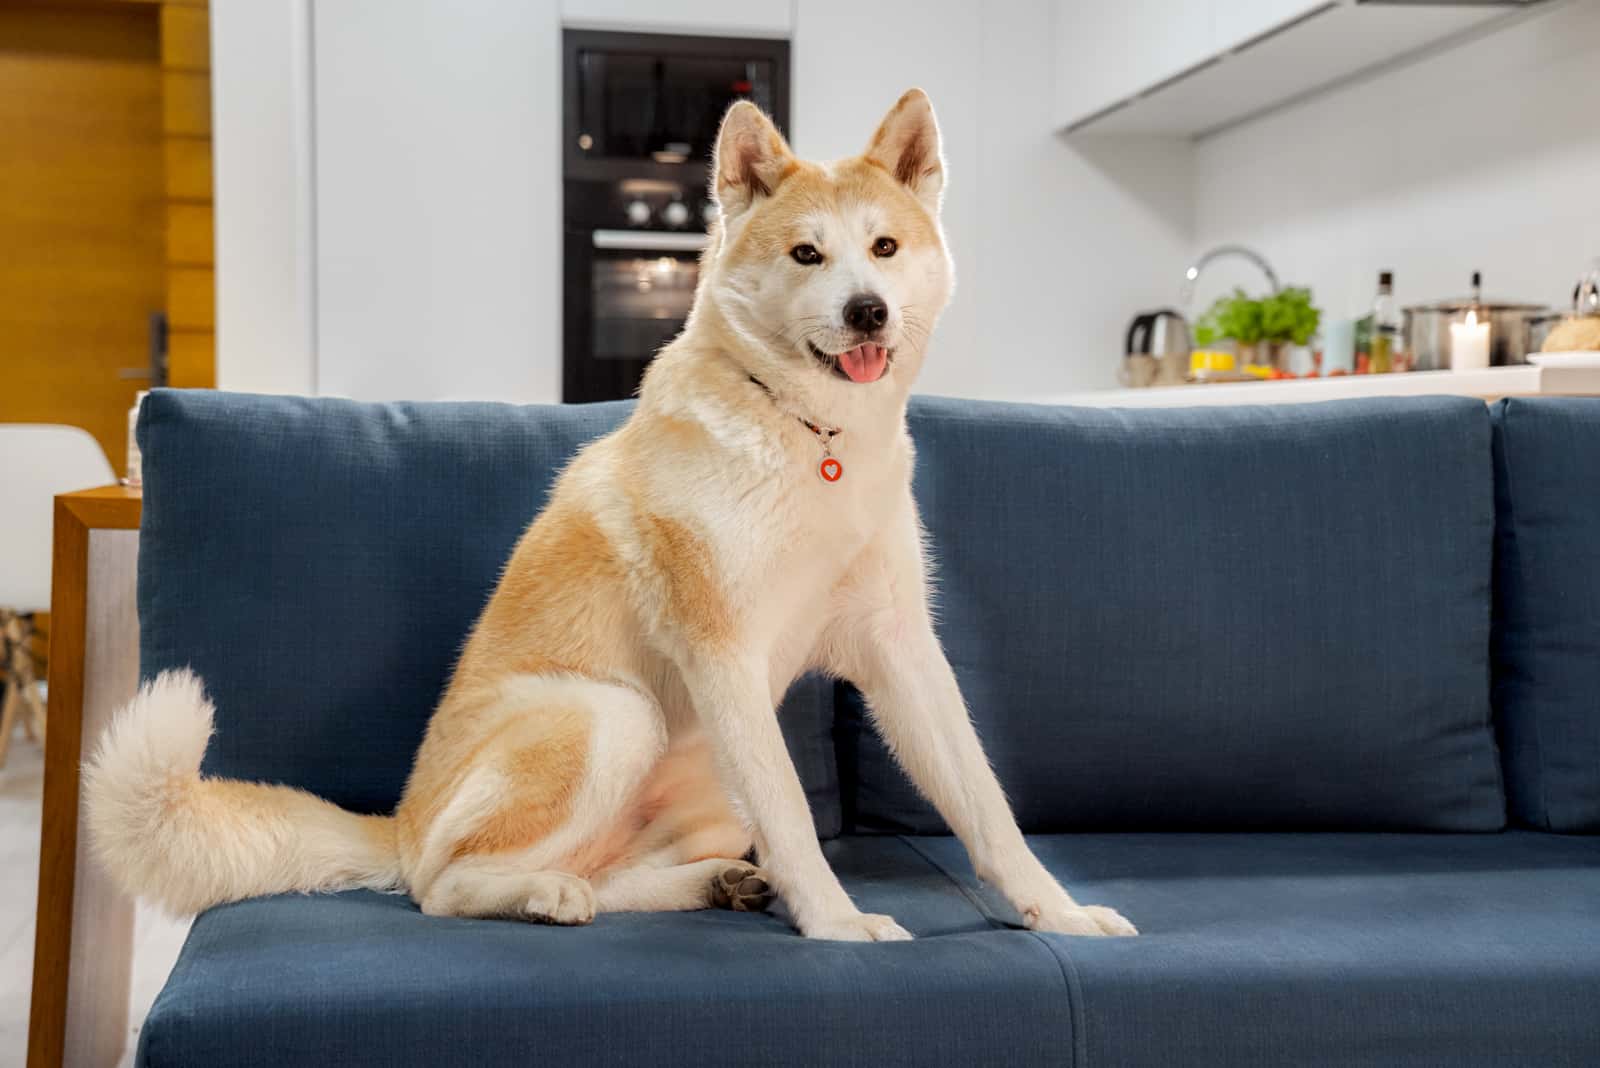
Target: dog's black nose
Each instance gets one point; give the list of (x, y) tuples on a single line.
[(865, 312)]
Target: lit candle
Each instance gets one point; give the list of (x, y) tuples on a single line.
[(1469, 343)]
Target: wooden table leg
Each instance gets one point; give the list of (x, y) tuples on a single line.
[(83, 945)]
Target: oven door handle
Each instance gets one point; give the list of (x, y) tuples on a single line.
[(649, 240)]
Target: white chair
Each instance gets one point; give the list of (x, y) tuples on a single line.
[(37, 461)]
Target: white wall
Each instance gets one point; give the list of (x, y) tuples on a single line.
[(426, 133), (1056, 243), (728, 18), (845, 80), (438, 199), (1075, 235), (437, 214), (1485, 156), (261, 84)]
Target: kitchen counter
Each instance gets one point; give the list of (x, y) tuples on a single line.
[(1489, 384)]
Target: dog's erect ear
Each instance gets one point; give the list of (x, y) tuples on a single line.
[(751, 159), (907, 146)]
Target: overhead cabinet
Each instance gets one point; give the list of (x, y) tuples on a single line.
[(1190, 67)]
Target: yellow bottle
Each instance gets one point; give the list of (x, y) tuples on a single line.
[(1386, 348)]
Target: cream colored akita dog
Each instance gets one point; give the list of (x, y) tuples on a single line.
[(608, 741)]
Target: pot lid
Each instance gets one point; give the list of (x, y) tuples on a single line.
[(1461, 304)]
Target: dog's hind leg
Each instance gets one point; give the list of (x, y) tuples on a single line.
[(503, 888), (681, 845), (561, 759), (714, 882)]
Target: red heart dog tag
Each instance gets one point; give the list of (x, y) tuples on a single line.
[(830, 469)]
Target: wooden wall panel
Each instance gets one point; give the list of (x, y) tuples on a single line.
[(82, 222), (191, 240), (186, 103), (185, 38), (189, 235), (191, 299), (188, 168), (192, 359)]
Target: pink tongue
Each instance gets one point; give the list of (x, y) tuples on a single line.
[(865, 363)]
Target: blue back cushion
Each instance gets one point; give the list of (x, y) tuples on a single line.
[(320, 562), (1547, 609), (1249, 617)]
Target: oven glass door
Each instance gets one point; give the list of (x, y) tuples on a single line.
[(640, 298), (662, 108)]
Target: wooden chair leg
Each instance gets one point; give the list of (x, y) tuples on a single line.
[(8, 716), (27, 678), (21, 681), (36, 720), (29, 703)]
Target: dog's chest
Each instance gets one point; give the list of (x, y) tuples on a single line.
[(804, 532)]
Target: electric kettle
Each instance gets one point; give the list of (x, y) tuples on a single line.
[(1157, 349)]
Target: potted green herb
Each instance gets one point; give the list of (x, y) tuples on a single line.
[(1285, 318)]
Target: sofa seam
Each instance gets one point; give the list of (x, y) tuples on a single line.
[(994, 922), (1514, 552), (1073, 984), (1070, 980), (1491, 723)]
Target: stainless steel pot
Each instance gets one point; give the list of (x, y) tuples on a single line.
[(1427, 329)]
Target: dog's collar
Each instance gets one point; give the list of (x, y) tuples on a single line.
[(821, 430), (830, 470)]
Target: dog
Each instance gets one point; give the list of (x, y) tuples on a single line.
[(608, 741)]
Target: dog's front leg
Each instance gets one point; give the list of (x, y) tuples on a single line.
[(732, 699), (882, 638)]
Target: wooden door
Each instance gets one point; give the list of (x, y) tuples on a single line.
[(105, 214), (81, 214)]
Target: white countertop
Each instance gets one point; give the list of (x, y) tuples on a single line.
[(1489, 384)]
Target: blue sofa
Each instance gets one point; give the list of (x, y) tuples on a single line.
[(1311, 694)]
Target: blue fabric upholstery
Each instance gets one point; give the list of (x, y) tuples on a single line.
[(319, 563), (1266, 617), (1303, 949), (1547, 609), (1214, 618), (364, 979), (1257, 949)]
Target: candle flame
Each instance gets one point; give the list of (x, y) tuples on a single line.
[(1472, 317)]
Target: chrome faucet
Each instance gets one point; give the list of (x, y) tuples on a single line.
[(1193, 273)]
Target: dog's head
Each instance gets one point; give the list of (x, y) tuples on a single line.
[(831, 274)]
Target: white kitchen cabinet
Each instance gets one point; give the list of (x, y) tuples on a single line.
[(1191, 67), (1107, 52), (438, 192), (1234, 22), (721, 18)]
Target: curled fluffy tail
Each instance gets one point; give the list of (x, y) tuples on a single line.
[(188, 843)]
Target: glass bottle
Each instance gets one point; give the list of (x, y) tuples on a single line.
[(1388, 353)]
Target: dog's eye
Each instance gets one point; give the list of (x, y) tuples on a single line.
[(885, 247), (806, 254)]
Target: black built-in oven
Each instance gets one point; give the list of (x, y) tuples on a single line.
[(641, 117)]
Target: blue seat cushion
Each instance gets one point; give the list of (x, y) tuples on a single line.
[(1210, 618), (320, 562), (364, 979), (1256, 949), (1547, 609), (1326, 948)]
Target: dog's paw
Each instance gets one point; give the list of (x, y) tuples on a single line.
[(1089, 920), (741, 887), (1111, 921), (559, 898), (858, 927)]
